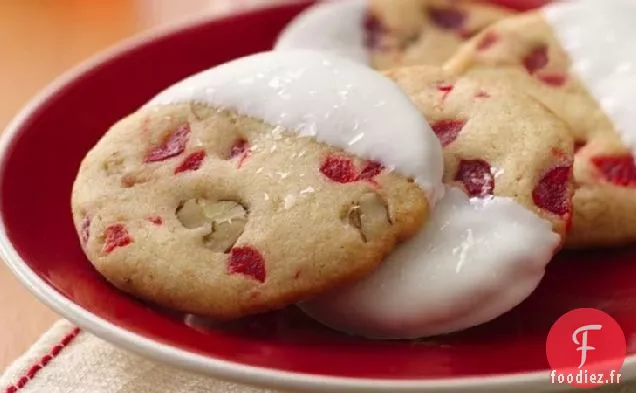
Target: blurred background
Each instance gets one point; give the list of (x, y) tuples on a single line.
[(39, 40)]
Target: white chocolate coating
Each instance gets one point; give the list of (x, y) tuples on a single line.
[(329, 98), (335, 26), (475, 260), (599, 37)]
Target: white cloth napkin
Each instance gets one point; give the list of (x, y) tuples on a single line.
[(68, 360)]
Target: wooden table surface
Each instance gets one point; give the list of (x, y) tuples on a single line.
[(40, 39)]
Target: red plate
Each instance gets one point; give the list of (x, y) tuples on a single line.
[(43, 149)]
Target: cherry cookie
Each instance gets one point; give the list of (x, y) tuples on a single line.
[(389, 33), (584, 74), (257, 184), (508, 171), (497, 141)]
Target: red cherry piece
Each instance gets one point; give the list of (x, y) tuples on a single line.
[(115, 236), (85, 230), (156, 220), (373, 29), (619, 170), (247, 261), (447, 130), (476, 177), (240, 150), (482, 94), (192, 162), (172, 146), (445, 89), (466, 34), (536, 59), (555, 80), (371, 169), (339, 169), (551, 193), (487, 41), (447, 18)]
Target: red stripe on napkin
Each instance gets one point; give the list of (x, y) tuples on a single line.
[(44, 360)]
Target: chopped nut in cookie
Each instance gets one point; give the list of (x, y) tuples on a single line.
[(369, 215), (190, 214), (200, 112), (132, 178), (114, 164), (226, 220)]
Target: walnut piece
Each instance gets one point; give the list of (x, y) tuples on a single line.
[(225, 219), (370, 216)]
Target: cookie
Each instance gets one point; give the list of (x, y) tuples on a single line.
[(410, 32), (246, 188), (388, 33), (333, 26), (508, 164), (575, 72), (497, 140)]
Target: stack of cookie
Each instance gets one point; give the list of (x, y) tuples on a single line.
[(578, 70), (420, 196)]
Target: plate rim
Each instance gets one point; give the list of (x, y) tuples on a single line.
[(180, 358)]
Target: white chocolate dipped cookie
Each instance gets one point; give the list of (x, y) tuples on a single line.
[(390, 33), (584, 73), (484, 250), (257, 184)]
